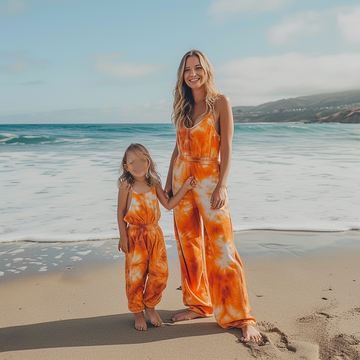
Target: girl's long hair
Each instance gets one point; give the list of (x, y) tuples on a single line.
[(152, 177), (183, 106)]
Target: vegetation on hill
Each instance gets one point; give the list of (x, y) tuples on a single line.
[(333, 107)]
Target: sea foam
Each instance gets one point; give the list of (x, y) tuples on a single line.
[(58, 182)]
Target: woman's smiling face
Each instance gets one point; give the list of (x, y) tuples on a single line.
[(194, 74)]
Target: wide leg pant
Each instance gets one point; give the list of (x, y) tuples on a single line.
[(146, 268), (213, 280)]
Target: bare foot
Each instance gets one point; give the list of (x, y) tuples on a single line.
[(140, 323), (155, 319), (250, 334), (187, 315)]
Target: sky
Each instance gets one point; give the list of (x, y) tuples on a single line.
[(77, 61)]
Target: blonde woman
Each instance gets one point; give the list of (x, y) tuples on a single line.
[(213, 281)]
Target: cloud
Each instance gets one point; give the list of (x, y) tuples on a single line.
[(16, 67), (25, 83), (349, 25), (113, 66), (154, 112), (13, 7), (16, 62), (314, 22), (12, 55), (256, 80), (18, 7), (235, 6), (302, 24)]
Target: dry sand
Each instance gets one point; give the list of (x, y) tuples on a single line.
[(306, 299)]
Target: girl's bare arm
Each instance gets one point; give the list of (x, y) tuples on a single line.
[(121, 212), (169, 204)]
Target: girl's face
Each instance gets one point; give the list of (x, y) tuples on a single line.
[(194, 74), (138, 166)]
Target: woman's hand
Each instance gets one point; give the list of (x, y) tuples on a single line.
[(167, 189), (218, 198), (123, 244)]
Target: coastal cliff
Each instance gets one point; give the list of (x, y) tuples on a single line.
[(351, 116), (341, 107)]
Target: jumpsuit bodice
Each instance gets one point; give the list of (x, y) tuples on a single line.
[(144, 209), (201, 140)]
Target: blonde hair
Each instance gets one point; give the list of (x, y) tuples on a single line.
[(152, 177), (183, 99)]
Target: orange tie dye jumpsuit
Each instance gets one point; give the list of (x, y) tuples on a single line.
[(213, 280), (146, 268)]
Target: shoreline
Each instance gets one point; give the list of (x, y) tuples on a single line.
[(304, 297), (171, 237), (24, 257)]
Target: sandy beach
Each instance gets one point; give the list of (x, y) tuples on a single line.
[(304, 289)]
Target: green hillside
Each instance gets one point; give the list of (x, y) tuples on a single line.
[(308, 109)]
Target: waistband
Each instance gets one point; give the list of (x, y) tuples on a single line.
[(145, 226), (198, 159)]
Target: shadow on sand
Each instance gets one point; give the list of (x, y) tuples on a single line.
[(101, 330)]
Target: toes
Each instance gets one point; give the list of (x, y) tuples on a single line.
[(156, 322), (141, 328), (176, 318), (256, 339)]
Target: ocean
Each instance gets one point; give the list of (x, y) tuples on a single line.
[(58, 182)]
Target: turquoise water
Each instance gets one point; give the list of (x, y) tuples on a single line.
[(58, 182)]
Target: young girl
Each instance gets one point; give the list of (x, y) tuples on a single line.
[(141, 238)]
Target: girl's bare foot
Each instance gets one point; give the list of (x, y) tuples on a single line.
[(187, 315), (250, 334), (140, 323), (155, 319)]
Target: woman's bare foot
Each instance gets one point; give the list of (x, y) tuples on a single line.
[(140, 323), (155, 319), (250, 334), (187, 315)]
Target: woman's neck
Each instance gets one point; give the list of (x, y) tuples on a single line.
[(198, 94)]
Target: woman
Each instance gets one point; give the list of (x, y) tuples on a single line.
[(213, 281)]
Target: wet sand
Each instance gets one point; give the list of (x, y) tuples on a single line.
[(67, 301)]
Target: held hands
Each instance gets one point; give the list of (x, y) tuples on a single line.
[(190, 183), (123, 244), (167, 189), (218, 197)]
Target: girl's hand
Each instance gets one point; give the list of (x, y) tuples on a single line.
[(167, 189), (218, 198), (123, 244), (190, 183)]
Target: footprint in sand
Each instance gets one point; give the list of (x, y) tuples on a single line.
[(277, 345), (328, 330)]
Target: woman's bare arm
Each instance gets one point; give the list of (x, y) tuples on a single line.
[(168, 185), (223, 108), (227, 131)]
